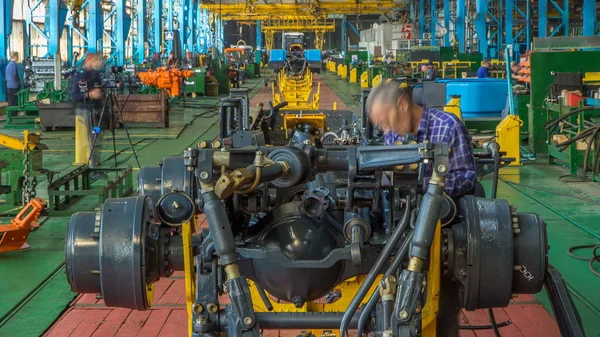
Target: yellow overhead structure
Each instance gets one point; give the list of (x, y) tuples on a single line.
[(250, 10), (318, 26)]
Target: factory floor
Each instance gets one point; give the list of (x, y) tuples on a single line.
[(35, 298)]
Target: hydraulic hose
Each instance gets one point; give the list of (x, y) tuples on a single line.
[(368, 309), (368, 282)]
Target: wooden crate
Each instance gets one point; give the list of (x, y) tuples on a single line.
[(145, 109)]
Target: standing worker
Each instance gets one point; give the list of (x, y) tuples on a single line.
[(484, 70), (13, 83), (429, 72), (86, 90)]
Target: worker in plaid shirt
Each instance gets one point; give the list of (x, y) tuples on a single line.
[(391, 107)]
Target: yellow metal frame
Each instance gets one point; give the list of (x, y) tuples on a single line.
[(353, 75), (377, 80), (454, 67), (291, 120), (364, 80), (508, 136), (30, 141), (190, 275), (296, 91), (415, 65), (453, 107)]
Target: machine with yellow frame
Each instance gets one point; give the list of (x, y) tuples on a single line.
[(303, 234)]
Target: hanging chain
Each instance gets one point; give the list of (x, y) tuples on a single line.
[(29, 182)]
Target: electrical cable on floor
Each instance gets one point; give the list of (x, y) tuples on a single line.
[(595, 256), (484, 327)]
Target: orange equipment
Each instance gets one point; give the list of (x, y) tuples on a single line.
[(13, 236), (164, 78)]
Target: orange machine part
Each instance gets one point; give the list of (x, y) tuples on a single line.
[(168, 79), (15, 234)]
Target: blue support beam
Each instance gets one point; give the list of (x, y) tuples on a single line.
[(447, 22), (5, 30), (157, 38), (563, 18), (433, 21), (413, 14), (421, 18), (184, 26), (344, 37), (142, 30), (518, 18), (258, 35), (481, 26), (169, 43), (121, 31), (192, 15), (510, 5), (589, 17), (95, 27), (542, 18), (460, 24)]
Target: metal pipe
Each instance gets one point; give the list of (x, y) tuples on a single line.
[(427, 218), (396, 262), (302, 320), (220, 229), (366, 285)]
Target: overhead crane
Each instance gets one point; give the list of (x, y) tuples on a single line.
[(317, 26)]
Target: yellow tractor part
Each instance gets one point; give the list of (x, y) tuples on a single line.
[(344, 71), (453, 106), (364, 80), (82, 143), (508, 136), (30, 141), (339, 70), (377, 80), (190, 275), (296, 90), (353, 75), (291, 120), (350, 286)]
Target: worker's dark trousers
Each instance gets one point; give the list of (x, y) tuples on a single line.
[(11, 96), (92, 120)]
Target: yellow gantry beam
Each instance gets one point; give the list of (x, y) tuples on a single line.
[(254, 11), (304, 25)]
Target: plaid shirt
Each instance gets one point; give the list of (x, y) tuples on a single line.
[(441, 127)]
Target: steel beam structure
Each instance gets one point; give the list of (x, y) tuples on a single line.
[(489, 27), (518, 19), (5, 30), (142, 29), (589, 18), (421, 18), (559, 24), (460, 25), (344, 37)]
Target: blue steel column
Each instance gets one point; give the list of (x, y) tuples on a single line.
[(96, 24), (481, 26), (258, 49), (460, 24), (157, 20), (5, 30), (542, 17), (344, 37), (169, 25), (193, 25), (421, 18), (508, 15), (447, 22), (120, 32), (142, 34), (433, 22), (182, 19), (413, 19), (589, 17), (55, 33)]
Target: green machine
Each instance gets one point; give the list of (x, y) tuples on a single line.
[(546, 59), (20, 164), (196, 84), (24, 115)]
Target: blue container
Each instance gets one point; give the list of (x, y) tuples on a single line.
[(277, 55), (313, 55), (479, 97)]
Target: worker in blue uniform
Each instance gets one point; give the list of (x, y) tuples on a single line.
[(13, 83), (88, 97), (484, 70)]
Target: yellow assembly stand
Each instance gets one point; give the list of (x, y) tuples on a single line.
[(453, 106), (377, 80), (82, 141), (508, 136), (353, 75), (364, 80)]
